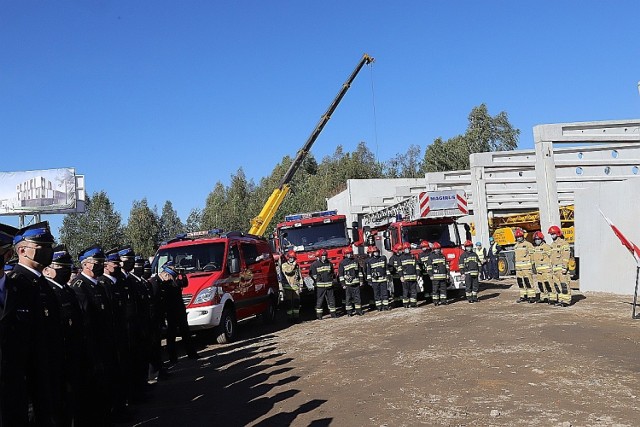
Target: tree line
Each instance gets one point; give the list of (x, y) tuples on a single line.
[(232, 206)]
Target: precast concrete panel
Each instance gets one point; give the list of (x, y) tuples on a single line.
[(605, 264)]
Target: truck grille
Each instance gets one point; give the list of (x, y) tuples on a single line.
[(186, 298)]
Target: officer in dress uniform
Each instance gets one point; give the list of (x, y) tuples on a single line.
[(470, 265), (17, 327), (74, 361), (34, 247), (124, 309), (438, 270), (322, 273), (151, 321), (350, 276), (140, 332), (376, 270), (99, 328), (409, 272)]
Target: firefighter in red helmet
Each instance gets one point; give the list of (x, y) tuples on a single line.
[(351, 278), (470, 266), (322, 273), (291, 285), (423, 257), (524, 268), (377, 272), (542, 267), (438, 270), (409, 272), (560, 256), (395, 264)]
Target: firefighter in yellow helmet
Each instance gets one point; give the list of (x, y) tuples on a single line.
[(543, 267), (524, 272), (560, 255)]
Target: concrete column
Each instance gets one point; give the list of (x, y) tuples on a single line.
[(480, 212), (547, 186)]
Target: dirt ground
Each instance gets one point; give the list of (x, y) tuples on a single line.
[(493, 363)]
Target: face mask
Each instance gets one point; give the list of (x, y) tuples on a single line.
[(437, 251), (323, 258), (97, 269), (349, 256), (62, 275), (406, 251), (127, 265), (376, 254), (147, 273), (538, 241), (138, 271), (43, 256), (554, 236), (291, 260), (520, 239), (424, 249), (467, 248)]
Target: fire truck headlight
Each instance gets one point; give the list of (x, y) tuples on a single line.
[(204, 295)]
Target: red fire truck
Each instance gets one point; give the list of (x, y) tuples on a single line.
[(431, 216)]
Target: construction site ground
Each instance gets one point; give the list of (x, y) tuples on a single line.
[(491, 363)]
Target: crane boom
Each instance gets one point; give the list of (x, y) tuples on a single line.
[(260, 223)]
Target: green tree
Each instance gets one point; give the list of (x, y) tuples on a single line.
[(484, 134), (214, 212), (407, 165), (98, 224), (170, 223), (143, 229), (194, 220)]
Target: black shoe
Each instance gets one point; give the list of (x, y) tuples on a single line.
[(319, 316), (406, 305), (360, 312), (379, 308), (521, 299), (334, 315), (445, 302), (470, 300), (532, 301), (414, 304), (563, 304), (436, 303), (475, 299), (387, 308)]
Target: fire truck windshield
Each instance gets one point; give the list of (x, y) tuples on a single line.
[(445, 234), (314, 236), (193, 258)]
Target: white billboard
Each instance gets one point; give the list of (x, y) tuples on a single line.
[(41, 191)]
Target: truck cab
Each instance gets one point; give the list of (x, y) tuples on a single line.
[(230, 277)]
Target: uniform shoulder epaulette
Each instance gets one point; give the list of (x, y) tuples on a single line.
[(77, 283)]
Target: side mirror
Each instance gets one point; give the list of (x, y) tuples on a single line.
[(234, 266), (387, 244)]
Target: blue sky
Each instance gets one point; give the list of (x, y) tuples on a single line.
[(161, 99)]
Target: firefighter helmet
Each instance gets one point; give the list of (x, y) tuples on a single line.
[(538, 235), (468, 243), (554, 229), (348, 250), (397, 247), (321, 252), (425, 244), (406, 245), (518, 233), (371, 249), (291, 254), (436, 245)]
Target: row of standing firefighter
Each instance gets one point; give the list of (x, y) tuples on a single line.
[(76, 351), (430, 265), (548, 264)]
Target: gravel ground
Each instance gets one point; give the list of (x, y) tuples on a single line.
[(493, 363)]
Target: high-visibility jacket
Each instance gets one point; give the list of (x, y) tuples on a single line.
[(469, 263), (409, 267), (524, 251), (480, 253), (560, 254), (437, 266), (292, 276), (322, 273), (349, 272), (542, 258), (377, 270)]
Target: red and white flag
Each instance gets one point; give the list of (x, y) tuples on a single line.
[(632, 247)]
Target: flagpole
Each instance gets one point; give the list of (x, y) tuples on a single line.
[(635, 295)]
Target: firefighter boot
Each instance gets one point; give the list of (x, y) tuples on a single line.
[(319, 316), (359, 312), (406, 305), (334, 315), (522, 299)]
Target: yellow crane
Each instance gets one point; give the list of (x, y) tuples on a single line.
[(260, 223)]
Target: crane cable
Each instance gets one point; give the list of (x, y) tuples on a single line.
[(375, 118)]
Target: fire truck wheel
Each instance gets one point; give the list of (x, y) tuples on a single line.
[(503, 266), (226, 331), (269, 315)]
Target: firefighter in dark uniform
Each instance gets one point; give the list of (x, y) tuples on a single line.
[(322, 273), (140, 348), (438, 270), (350, 276), (423, 257), (74, 363), (146, 270), (34, 247), (377, 272), (100, 341), (17, 327), (150, 319), (170, 286), (395, 263), (470, 265), (524, 268), (409, 272), (291, 283)]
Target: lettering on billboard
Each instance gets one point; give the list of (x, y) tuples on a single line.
[(50, 190)]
